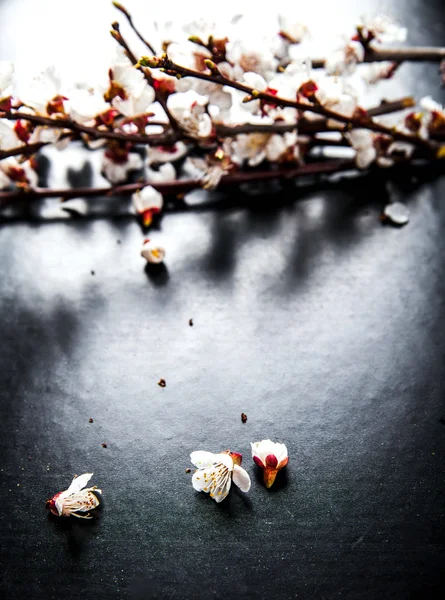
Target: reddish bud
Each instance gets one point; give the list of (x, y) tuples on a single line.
[(307, 90), (271, 461)]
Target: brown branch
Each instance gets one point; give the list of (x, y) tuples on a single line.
[(170, 67), (304, 126), (150, 140), (181, 186), (25, 150), (129, 18), (398, 55)]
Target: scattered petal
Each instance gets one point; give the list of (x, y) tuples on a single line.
[(397, 213)]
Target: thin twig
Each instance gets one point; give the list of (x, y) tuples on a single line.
[(159, 96), (129, 18)]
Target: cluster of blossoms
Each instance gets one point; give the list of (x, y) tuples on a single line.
[(214, 475), (214, 104)]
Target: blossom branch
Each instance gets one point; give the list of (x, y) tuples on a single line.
[(398, 55), (180, 186), (172, 68), (62, 123)]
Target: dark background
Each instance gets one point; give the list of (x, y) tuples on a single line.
[(324, 326)]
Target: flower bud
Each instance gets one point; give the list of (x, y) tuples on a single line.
[(271, 457)]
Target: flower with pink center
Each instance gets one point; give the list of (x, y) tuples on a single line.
[(75, 500), (215, 472), (271, 457)]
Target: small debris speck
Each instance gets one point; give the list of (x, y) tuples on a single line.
[(93, 273), (90, 420), (29, 457), (442, 420), (243, 417), (162, 383), (188, 470), (118, 241), (104, 445), (191, 322)]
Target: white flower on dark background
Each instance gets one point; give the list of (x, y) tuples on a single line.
[(75, 501), (215, 473), (271, 457)]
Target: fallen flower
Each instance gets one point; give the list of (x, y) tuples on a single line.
[(396, 212), (152, 253), (215, 473), (270, 456), (75, 499)]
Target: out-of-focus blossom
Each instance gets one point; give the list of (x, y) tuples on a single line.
[(362, 140), (118, 162), (382, 28), (292, 31), (21, 174), (344, 60), (162, 154), (6, 73), (152, 253), (147, 202)]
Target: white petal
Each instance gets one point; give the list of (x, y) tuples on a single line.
[(365, 157), (397, 212), (147, 199), (241, 478), (202, 459), (255, 81), (79, 483), (6, 71), (427, 103)]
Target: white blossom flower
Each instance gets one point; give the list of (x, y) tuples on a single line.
[(215, 473), (8, 138), (20, 173), (147, 202), (138, 101), (256, 147), (152, 253), (344, 60), (196, 121), (42, 89), (292, 31), (6, 72), (163, 154), (271, 457), (383, 28), (86, 104), (396, 212), (362, 141), (256, 58), (75, 500), (164, 172), (116, 172)]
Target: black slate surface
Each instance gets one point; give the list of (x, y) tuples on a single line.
[(323, 326)]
